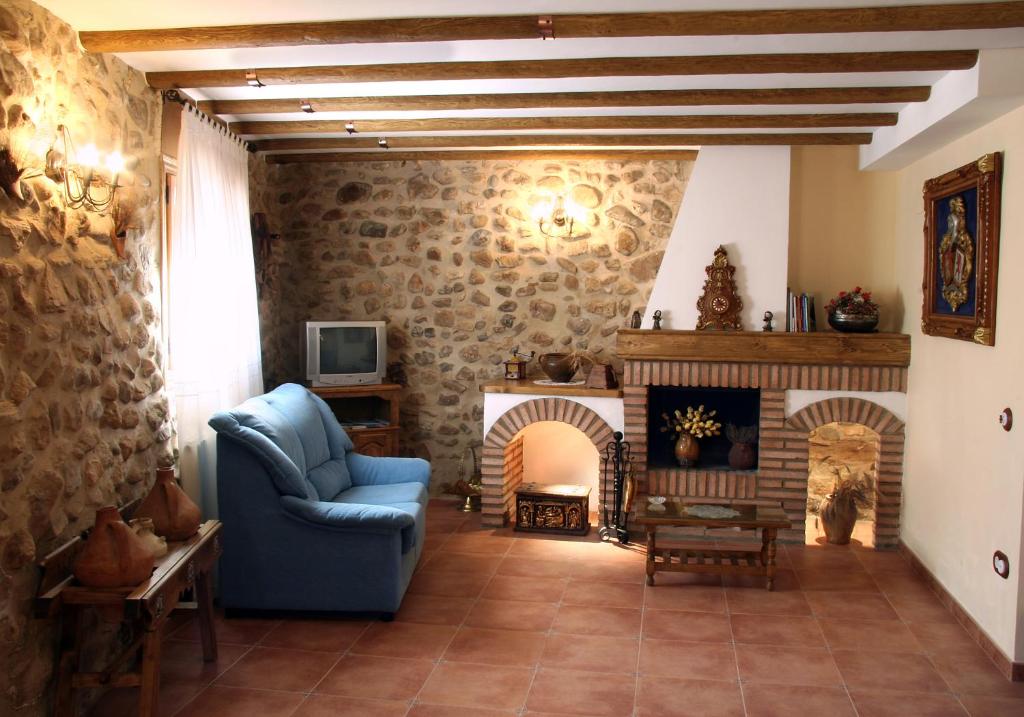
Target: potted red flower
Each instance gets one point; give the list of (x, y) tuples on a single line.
[(853, 311)]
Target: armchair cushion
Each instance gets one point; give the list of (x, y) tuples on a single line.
[(358, 517), (310, 458), (384, 494), (257, 426), (371, 470)]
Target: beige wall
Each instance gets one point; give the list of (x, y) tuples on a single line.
[(964, 475), (842, 231)]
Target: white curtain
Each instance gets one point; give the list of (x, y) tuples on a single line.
[(213, 321)]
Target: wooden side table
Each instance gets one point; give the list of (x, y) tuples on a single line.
[(145, 608), (750, 561)]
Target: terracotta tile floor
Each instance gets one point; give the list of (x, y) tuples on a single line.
[(498, 624)]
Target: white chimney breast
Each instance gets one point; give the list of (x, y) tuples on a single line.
[(737, 197)]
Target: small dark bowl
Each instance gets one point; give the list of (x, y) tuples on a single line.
[(853, 323)]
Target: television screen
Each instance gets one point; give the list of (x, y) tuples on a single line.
[(348, 349)]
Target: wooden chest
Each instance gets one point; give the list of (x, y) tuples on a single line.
[(553, 508)]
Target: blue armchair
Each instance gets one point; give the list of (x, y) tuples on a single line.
[(308, 523)]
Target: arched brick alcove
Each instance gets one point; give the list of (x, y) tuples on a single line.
[(890, 430), (501, 448)]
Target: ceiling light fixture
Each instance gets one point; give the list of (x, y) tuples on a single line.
[(557, 217)]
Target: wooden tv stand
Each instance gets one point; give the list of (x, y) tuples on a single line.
[(368, 413)]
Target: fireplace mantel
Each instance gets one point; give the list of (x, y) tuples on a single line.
[(813, 348)]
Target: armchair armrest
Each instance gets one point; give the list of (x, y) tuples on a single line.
[(372, 470), (353, 517)]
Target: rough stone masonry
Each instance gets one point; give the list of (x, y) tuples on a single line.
[(449, 254)]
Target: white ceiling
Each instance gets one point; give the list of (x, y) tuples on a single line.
[(118, 14)]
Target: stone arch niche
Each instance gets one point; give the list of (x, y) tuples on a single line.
[(889, 486), (501, 468)]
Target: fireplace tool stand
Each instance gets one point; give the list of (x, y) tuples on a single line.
[(616, 467)]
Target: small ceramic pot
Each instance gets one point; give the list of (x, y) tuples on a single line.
[(113, 555), (174, 515), (557, 367), (143, 528), (687, 450), (743, 456), (852, 323)]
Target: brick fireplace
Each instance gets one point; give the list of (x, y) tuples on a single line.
[(826, 362)]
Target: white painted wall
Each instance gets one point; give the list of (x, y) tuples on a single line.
[(737, 197), (963, 485), (496, 404), (894, 401), (555, 452)]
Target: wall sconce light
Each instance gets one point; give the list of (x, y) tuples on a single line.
[(81, 172), (558, 217)]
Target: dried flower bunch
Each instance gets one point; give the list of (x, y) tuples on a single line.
[(854, 488), (741, 434), (856, 302), (696, 422)]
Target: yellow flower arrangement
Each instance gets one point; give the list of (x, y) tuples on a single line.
[(697, 422)]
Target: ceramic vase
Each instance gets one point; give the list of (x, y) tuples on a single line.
[(743, 456), (173, 513), (113, 555), (838, 518), (557, 367), (143, 528), (687, 450)]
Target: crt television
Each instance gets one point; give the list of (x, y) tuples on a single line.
[(345, 353)]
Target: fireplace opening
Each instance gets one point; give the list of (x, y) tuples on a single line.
[(837, 452), (738, 406), (553, 452)]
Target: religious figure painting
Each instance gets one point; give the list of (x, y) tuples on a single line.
[(962, 251)]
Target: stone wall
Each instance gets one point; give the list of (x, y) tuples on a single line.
[(448, 254), (83, 416)]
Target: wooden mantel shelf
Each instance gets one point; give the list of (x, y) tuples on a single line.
[(829, 348), (528, 387)]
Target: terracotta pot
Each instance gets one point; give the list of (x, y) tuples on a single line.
[(838, 518), (557, 367), (113, 555), (174, 515), (143, 528), (687, 450), (743, 456)]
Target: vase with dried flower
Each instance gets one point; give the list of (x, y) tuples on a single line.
[(840, 508), (689, 428), (113, 555), (743, 453), (853, 312), (561, 367), (174, 515)]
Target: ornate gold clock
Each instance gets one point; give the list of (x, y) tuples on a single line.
[(719, 305)]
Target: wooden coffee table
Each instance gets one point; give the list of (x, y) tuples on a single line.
[(741, 561)]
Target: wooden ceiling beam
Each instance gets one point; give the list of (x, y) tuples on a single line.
[(967, 16), (525, 100), (622, 155), (556, 140), (829, 62), (648, 122)]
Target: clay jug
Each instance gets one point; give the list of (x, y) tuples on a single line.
[(838, 518), (174, 515), (743, 456), (557, 366), (143, 528), (113, 556)]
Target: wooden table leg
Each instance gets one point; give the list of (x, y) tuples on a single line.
[(207, 633), (149, 690), (67, 664), (768, 553), (650, 554)]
